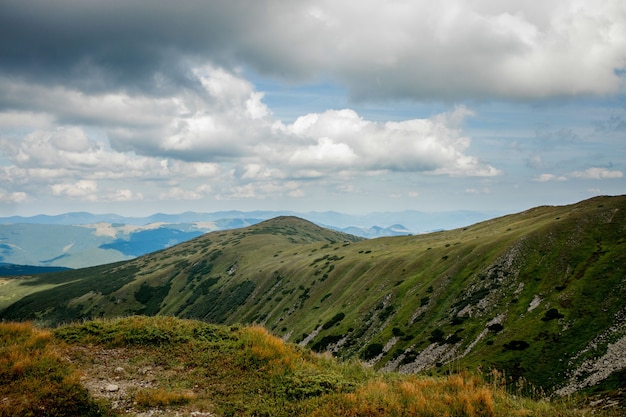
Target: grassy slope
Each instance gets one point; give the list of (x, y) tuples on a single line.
[(176, 367), (525, 293)]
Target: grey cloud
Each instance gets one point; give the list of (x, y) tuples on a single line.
[(101, 45), (380, 50)]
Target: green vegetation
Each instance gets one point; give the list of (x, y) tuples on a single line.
[(537, 295), (176, 367)]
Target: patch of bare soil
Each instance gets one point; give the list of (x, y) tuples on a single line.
[(115, 375)]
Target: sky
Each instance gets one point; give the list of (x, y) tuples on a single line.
[(143, 106)]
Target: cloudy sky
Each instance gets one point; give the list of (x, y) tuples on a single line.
[(144, 106)]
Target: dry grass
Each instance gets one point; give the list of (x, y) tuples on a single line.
[(456, 395), (35, 380), (159, 397)]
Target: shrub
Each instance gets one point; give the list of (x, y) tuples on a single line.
[(437, 336), (495, 328), (323, 343), (516, 345), (336, 319), (396, 331), (552, 314), (371, 351)]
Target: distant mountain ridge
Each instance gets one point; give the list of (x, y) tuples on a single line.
[(413, 221), (539, 294), (83, 239)]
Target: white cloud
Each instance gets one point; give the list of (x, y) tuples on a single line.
[(597, 174), (83, 189), (228, 136), (326, 153), (484, 190), (124, 195), (341, 139), (13, 197), (177, 193), (549, 178)]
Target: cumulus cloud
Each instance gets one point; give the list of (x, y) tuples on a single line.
[(83, 189), (227, 133), (341, 139), (596, 173), (13, 197), (549, 177)]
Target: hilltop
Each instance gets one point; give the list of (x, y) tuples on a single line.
[(538, 294)]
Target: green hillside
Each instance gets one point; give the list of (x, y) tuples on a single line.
[(539, 294)]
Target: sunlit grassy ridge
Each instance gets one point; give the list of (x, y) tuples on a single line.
[(538, 294), (223, 370)]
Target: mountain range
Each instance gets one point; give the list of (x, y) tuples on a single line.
[(539, 295), (80, 239)]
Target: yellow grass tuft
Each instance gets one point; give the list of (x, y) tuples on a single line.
[(269, 351), (157, 397), (456, 395)]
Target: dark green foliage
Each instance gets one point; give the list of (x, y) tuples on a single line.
[(205, 286), (437, 336), (201, 268), (455, 337), (371, 351), (495, 328), (516, 345), (387, 311), (152, 297), (552, 314), (396, 331), (474, 298), (219, 304), (336, 319), (323, 343)]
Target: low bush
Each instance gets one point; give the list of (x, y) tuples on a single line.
[(371, 351)]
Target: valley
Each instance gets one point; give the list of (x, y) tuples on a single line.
[(537, 295)]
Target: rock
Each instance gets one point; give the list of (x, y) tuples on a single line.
[(111, 388), (119, 370)]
